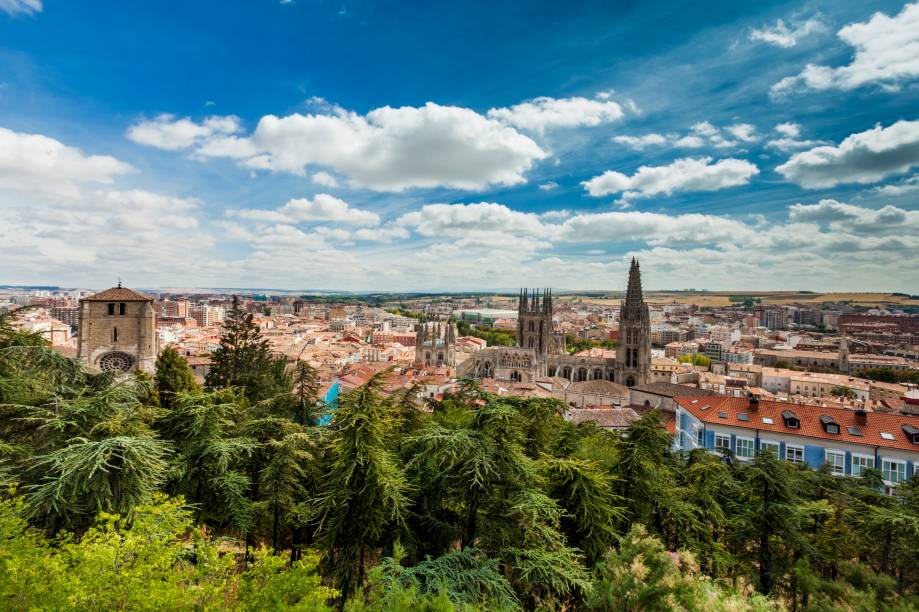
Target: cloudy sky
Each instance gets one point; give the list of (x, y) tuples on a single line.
[(460, 145)]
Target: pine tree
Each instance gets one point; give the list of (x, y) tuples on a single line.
[(308, 407), (243, 358), (173, 376)]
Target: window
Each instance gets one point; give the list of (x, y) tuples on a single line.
[(768, 446), (111, 309), (893, 470), (795, 454), (700, 436), (836, 460), (722, 442), (860, 463), (767, 421), (121, 308), (745, 448), (114, 334)]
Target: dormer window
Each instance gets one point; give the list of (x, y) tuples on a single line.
[(912, 433), (791, 420), (829, 424)]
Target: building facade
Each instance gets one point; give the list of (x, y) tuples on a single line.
[(434, 344), (118, 331), (540, 351), (847, 441)]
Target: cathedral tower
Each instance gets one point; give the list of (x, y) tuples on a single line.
[(534, 321), (118, 331), (435, 344), (633, 352)]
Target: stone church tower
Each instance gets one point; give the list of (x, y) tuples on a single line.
[(534, 322), (633, 352), (118, 331), (435, 344), (843, 360)]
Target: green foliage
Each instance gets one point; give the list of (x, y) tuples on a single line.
[(493, 336), (173, 376), (477, 502), (644, 575), (156, 561), (243, 358), (890, 375), (574, 344), (697, 359)]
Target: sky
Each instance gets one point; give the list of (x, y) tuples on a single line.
[(456, 146)]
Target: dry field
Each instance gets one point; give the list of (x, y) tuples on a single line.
[(705, 298)]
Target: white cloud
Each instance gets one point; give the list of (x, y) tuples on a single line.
[(167, 132), (904, 187), (686, 174), (791, 130), (864, 157), (789, 138), (787, 35), (858, 220), (690, 142), (39, 163), (21, 7), (641, 142), (325, 179), (886, 53), (323, 207), (388, 149), (743, 132), (462, 219), (548, 186), (543, 113)]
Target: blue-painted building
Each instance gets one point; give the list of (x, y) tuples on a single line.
[(331, 402), (849, 441)]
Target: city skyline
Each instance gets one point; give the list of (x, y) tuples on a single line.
[(296, 144)]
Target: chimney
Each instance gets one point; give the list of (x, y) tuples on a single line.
[(861, 417), (754, 402)]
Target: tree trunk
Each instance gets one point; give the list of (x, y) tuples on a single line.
[(274, 525), (471, 522)]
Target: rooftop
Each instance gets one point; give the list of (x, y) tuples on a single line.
[(880, 429), (117, 294)]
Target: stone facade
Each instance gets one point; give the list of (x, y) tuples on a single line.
[(434, 344), (118, 331), (540, 352)]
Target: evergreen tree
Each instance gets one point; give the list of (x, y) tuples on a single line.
[(308, 407), (243, 358), (173, 376), (363, 496)]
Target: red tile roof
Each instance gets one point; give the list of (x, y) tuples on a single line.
[(706, 409), (117, 294)]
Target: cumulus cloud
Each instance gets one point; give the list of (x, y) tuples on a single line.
[(325, 179), (743, 132), (641, 142), (548, 186), (686, 174), (864, 157), (461, 219), (886, 53), (171, 133), (787, 35), (21, 7), (37, 162), (543, 113), (904, 187), (860, 220), (323, 207), (388, 149), (788, 139)]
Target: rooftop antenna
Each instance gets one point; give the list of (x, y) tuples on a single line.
[(119, 282)]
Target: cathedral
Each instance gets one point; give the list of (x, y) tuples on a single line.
[(540, 351)]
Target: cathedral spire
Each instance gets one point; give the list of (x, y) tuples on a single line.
[(633, 293)]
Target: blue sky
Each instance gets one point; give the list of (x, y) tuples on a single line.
[(457, 146)]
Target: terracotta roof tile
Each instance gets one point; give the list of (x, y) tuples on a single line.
[(117, 294), (809, 417)]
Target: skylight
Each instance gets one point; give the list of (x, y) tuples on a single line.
[(742, 416), (722, 415), (854, 431), (767, 420), (887, 435)]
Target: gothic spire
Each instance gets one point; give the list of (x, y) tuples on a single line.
[(633, 293)]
